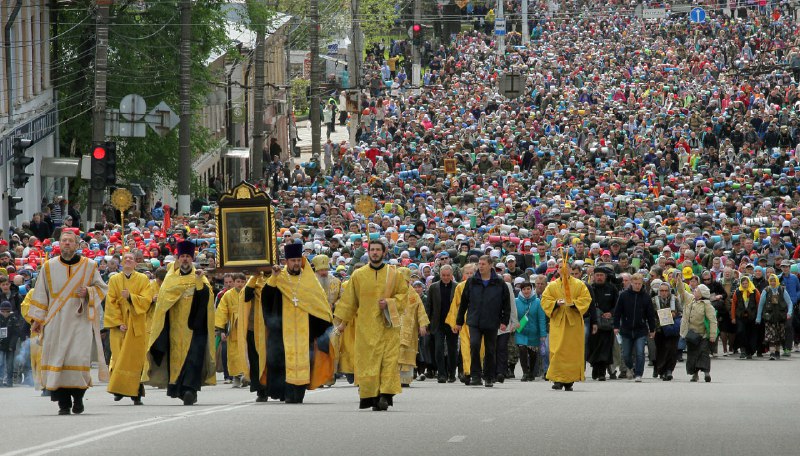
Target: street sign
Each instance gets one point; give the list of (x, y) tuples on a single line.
[(500, 26), (697, 15), (654, 13)]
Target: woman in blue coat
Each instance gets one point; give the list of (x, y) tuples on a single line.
[(532, 332)]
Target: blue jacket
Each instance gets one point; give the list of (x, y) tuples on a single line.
[(792, 284), (537, 321)]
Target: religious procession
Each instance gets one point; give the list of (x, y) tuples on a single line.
[(633, 216)]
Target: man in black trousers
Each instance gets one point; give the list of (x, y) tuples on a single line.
[(488, 300), (440, 296)]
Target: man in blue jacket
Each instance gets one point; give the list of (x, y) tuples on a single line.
[(488, 300), (634, 320), (792, 285)]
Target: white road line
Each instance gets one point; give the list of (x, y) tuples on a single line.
[(109, 431), (457, 439)]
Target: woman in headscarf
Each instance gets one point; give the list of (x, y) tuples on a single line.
[(699, 316), (774, 308), (666, 339), (744, 306)]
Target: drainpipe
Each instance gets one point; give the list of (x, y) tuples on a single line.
[(9, 77)]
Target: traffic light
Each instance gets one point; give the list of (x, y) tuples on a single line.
[(20, 162), (416, 34), (104, 165), (13, 212), (111, 163)]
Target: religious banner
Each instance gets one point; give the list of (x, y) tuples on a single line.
[(246, 229)]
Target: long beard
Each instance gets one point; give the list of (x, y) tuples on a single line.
[(324, 281)]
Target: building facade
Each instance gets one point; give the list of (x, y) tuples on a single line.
[(27, 106)]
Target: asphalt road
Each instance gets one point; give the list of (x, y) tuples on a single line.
[(751, 408)]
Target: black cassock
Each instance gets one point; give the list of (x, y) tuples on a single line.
[(276, 387)]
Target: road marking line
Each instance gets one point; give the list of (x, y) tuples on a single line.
[(457, 439), (110, 431)]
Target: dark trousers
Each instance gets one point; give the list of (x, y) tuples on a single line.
[(502, 354), (224, 360), (65, 396), (445, 343), (788, 341), (747, 336), (527, 358), (666, 353), (489, 338)]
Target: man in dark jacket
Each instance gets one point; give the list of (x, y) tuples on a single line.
[(9, 333), (488, 300), (634, 320), (440, 296)]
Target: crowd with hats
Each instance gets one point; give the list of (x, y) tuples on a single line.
[(661, 149)]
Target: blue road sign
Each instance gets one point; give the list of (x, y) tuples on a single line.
[(697, 15)]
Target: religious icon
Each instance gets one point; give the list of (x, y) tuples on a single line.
[(246, 235), (450, 166)]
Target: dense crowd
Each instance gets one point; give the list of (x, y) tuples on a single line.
[(656, 152)]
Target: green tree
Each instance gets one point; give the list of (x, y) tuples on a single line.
[(143, 59)]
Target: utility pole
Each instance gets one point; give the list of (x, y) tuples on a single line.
[(501, 39), (526, 36), (185, 128), (416, 64), (257, 152), (355, 51), (314, 112), (100, 97)]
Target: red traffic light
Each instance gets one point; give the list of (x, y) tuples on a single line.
[(416, 28), (99, 153)]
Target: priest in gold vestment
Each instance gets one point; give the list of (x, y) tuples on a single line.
[(287, 330), (374, 298), (226, 321), (181, 354), (565, 307), (127, 305), (64, 309), (413, 325)]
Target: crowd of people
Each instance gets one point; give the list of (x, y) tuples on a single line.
[(656, 157)]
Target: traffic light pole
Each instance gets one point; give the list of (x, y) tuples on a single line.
[(416, 64), (99, 114), (185, 127)]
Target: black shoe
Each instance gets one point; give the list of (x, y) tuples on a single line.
[(568, 387), (601, 379), (451, 379), (475, 381), (406, 385), (742, 355), (422, 377), (500, 378), (613, 376), (708, 377), (118, 397), (655, 373), (442, 380), (261, 399), (489, 383), (749, 356), (524, 378), (77, 407), (189, 398), (64, 411), (669, 377), (383, 404), (694, 378), (137, 401), (558, 386), (45, 393), (510, 374)]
